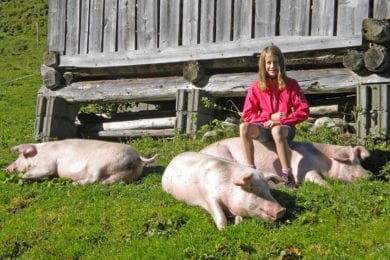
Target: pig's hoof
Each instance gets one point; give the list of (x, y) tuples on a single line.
[(237, 220)]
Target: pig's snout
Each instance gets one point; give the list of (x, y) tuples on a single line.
[(362, 174), (10, 168), (278, 213), (273, 212)]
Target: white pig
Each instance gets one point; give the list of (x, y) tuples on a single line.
[(309, 162), (221, 187), (83, 161)]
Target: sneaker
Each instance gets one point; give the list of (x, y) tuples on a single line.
[(289, 180), (285, 177)]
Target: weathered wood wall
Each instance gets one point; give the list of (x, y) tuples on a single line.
[(135, 50), (95, 26), (134, 37)]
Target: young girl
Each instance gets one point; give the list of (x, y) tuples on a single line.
[(273, 106)]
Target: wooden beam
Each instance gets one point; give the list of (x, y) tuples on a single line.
[(153, 123), (377, 30), (336, 80), (130, 133), (377, 58), (353, 60), (212, 51)]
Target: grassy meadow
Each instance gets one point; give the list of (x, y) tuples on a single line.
[(56, 220)]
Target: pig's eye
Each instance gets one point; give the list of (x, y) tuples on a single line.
[(255, 190)]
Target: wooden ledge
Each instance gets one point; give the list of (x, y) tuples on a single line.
[(338, 80), (211, 51)]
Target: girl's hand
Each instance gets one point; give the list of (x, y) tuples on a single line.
[(269, 124), (278, 115)]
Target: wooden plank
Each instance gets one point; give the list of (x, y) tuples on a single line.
[(223, 21), (132, 133), (95, 41), (323, 17), (56, 25), (140, 90), (147, 24), (320, 81), (126, 25), (245, 48), (169, 23), (350, 16), (84, 26), (312, 59), (72, 27), (109, 26), (265, 21), (242, 28), (206, 34), (190, 22), (151, 123), (381, 9), (295, 17), (337, 80)]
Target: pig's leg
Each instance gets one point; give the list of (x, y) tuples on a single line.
[(124, 176), (237, 220), (315, 177), (92, 177), (217, 213)]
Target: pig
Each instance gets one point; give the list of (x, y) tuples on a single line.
[(83, 161), (221, 187), (309, 162)]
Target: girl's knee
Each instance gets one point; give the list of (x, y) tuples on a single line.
[(278, 132), (249, 130), (244, 128)]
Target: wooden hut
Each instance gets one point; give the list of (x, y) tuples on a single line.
[(171, 54)]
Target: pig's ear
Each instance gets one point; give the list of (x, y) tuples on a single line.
[(361, 152), (344, 155), (244, 180), (27, 150), (272, 177)]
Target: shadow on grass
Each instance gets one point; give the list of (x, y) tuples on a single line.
[(378, 164), (153, 169), (288, 201)]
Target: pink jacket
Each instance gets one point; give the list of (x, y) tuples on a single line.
[(259, 106)]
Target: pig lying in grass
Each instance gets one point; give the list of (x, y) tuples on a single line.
[(83, 161), (310, 161), (221, 187)]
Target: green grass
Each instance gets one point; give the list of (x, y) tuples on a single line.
[(56, 220), (140, 220)]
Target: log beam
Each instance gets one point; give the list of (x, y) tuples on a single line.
[(51, 77), (377, 58), (193, 72), (353, 60), (377, 31)]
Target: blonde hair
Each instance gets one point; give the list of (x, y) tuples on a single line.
[(282, 76)]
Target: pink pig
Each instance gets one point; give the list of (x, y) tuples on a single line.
[(83, 161), (221, 187), (310, 161)]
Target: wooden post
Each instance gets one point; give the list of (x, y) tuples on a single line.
[(190, 111), (55, 118), (374, 116)]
